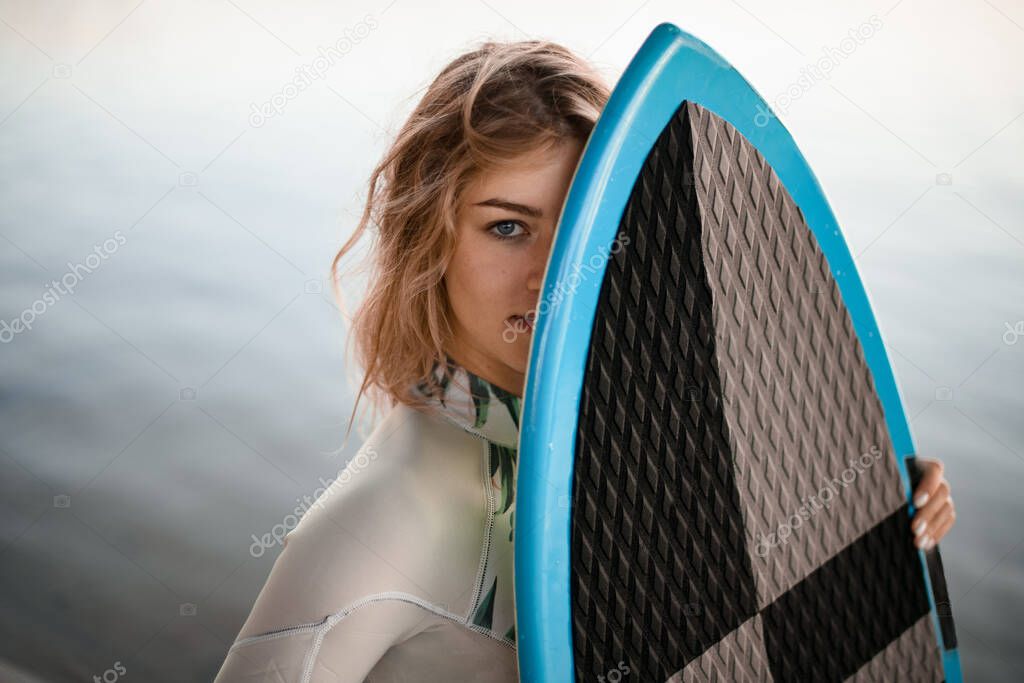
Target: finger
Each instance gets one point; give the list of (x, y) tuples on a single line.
[(929, 482), (937, 531), (942, 529), (924, 516), (927, 528)]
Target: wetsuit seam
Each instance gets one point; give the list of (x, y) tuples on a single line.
[(320, 628), (478, 583)]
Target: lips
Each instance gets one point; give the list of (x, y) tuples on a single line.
[(523, 323)]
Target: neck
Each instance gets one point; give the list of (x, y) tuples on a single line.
[(485, 367)]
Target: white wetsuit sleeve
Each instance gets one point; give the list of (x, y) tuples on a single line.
[(342, 592)]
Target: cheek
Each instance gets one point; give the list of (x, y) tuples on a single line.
[(485, 297), (482, 279)]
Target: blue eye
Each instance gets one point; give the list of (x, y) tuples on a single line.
[(498, 229)]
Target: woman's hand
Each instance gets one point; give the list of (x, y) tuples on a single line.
[(935, 514)]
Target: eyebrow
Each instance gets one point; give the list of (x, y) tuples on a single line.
[(531, 211)]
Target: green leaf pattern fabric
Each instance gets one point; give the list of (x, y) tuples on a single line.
[(492, 413)]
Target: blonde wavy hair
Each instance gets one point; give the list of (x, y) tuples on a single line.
[(486, 107)]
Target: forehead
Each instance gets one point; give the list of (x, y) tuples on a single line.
[(540, 176)]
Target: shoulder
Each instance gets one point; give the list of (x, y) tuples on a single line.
[(404, 518), (412, 467)]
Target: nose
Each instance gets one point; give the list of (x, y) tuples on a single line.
[(539, 253)]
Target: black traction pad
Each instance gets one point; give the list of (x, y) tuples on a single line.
[(737, 509)]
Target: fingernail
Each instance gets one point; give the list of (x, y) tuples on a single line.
[(921, 500), (931, 544), (921, 542), (920, 526)]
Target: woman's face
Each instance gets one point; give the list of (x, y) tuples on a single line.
[(506, 222)]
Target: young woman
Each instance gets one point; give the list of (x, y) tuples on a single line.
[(402, 570)]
